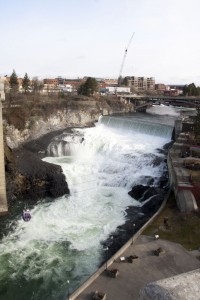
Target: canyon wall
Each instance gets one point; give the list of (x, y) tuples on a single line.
[(75, 114)]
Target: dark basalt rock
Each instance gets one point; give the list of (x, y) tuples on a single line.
[(168, 145), (157, 161), (153, 204), (138, 191), (143, 192), (163, 182), (37, 179), (39, 146), (151, 191)]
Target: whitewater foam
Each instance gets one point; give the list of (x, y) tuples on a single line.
[(63, 238)]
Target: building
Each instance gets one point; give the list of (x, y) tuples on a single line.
[(52, 82), (117, 90), (110, 82), (2, 93), (141, 84), (61, 85), (160, 88)]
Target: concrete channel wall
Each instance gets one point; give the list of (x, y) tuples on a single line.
[(78, 291)]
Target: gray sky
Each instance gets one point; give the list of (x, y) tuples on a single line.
[(76, 38)]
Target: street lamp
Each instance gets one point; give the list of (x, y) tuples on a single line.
[(133, 228), (68, 290)]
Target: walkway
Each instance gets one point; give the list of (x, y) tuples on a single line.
[(146, 268)]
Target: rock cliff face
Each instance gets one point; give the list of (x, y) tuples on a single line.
[(26, 175), (29, 178), (75, 113)]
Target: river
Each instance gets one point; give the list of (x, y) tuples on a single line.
[(62, 244)]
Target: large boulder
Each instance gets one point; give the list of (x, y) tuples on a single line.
[(153, 204), (35, 179), (151, 191), (138, 191)]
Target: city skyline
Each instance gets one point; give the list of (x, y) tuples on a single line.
[(88, 38)]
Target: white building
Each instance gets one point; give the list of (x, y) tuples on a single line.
[(2, 92), (118, 89), (66, 88)]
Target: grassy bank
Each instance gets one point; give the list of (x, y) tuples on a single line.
[(182, 228)]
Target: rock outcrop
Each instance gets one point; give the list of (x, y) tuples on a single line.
[(29, 127), (30, 178), (73, 112)]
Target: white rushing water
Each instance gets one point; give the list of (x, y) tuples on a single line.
[(63, 239)]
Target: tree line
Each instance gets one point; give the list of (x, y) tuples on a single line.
[(89, 87), (191, 90), (28, 85)]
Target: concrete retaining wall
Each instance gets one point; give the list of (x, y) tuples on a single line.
[(185, 192), (78, 291)]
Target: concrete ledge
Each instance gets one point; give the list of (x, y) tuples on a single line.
[(181, 287), (3, 210)]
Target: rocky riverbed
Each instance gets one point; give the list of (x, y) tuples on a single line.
[(150, 198), (31, 178)]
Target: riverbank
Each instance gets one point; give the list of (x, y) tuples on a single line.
[(146, 266), (182, 228)]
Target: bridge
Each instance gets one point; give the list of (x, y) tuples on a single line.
[(142, 102), (3, 198)]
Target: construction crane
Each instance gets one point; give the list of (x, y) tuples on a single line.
[(123, 61)]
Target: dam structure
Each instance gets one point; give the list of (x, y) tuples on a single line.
[(3, 198)]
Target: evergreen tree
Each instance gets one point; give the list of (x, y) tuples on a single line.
[(191, 90), (14, 81), (89, 87), (119, 82), (26, 82), (185, 90), (125, 81)]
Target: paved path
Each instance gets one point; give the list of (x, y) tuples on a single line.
[(147, 268)]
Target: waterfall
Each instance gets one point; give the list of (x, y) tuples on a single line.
[(64, 238), (65, 144), (136, 125)]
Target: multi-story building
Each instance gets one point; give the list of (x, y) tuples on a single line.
[(110, 82), (141, 83), (50, 81), (2, 92), (160, 88)]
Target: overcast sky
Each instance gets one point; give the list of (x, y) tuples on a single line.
[(76, 38)]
